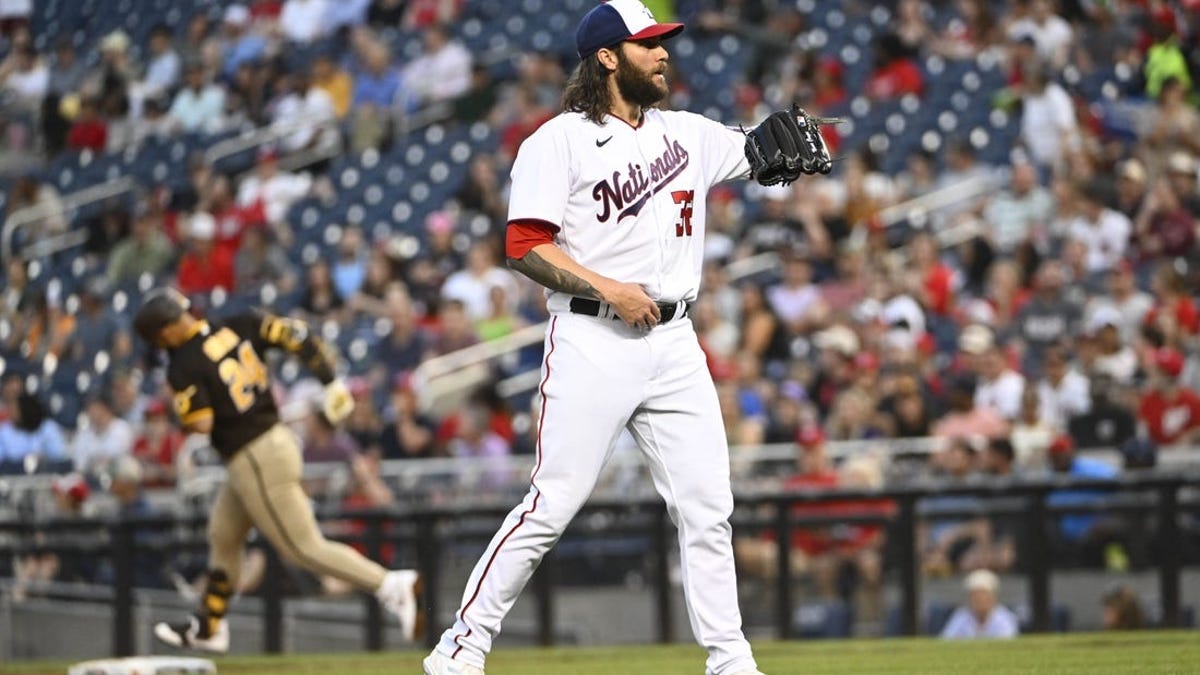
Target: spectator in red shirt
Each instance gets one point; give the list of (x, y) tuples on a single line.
[(1170, 411), (828, 90), (1022, 51), (499, 417), (816, 471), (231, 219), (1172, 299), (935, 281), (1163, 226), (425, 13), (157, 446), (368, 491), (856, 564), (527, 117), (265, 10), (896, 73), (204, 266), (89, 132), (759, 555), (842, 558), (1005, 296)]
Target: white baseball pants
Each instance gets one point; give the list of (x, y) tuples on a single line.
[(599, 377)]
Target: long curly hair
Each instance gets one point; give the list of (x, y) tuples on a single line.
[(587, 90)]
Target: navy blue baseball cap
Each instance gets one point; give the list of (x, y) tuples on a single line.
[(616, 21)]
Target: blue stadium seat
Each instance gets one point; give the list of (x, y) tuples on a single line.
[(823, 620), (1060, 618)]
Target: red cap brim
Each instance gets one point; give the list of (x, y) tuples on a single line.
[(658, 30)]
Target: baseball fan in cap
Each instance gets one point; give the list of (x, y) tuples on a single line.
[(72, 491), (607, 210), (1169, 410), (983, 616), (223, 388)]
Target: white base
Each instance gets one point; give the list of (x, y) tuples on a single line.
[(145, 665)]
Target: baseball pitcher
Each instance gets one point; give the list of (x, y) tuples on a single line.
[(607, 212)]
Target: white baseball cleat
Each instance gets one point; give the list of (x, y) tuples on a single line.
[(749, 672), (400, 593), (438, 663), (186, 635)]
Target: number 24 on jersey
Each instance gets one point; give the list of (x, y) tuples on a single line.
[(243, 373)]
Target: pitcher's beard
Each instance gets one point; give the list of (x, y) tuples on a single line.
[(638, 88)]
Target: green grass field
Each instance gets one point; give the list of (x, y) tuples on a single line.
[(1092, 653)]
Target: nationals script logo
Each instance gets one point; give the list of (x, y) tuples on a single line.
[(627, 194)]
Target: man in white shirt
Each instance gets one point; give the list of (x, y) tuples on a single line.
[(1064, 393), (1103, 231), (303, 20), (29, 79), (982, 616), (1113, 356), (277, 190), (796, 300), (1051, 33), (310, 111), (1125, 299), (1049, 130), (1000, 387), (473, 285), (443, 71), (15, 11), (902, 313), (105, 438), (164, 67)]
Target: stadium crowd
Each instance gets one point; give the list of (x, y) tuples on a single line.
[(1054, 310)]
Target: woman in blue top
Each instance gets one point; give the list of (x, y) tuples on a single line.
[(32, 433)]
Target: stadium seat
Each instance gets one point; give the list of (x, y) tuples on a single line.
[(594, 561), (1060, 618), (823, 620), (11, 468), (936, 616), (1154, 617)]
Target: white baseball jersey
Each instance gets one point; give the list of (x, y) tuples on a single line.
[(630, 202)]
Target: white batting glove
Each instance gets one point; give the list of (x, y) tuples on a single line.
[(339, 403)]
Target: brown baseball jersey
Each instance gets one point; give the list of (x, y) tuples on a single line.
[(220, 372)]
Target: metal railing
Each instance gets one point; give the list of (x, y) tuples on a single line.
[(428, 531), (445, 376), (465, 479), (273, 133), (30, 216), (917, 209)]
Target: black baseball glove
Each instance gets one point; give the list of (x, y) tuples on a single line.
[(788, 143)]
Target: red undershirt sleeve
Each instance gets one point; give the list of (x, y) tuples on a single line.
[(523, 235)]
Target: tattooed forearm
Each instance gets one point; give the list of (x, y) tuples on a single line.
[(555, 278)]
